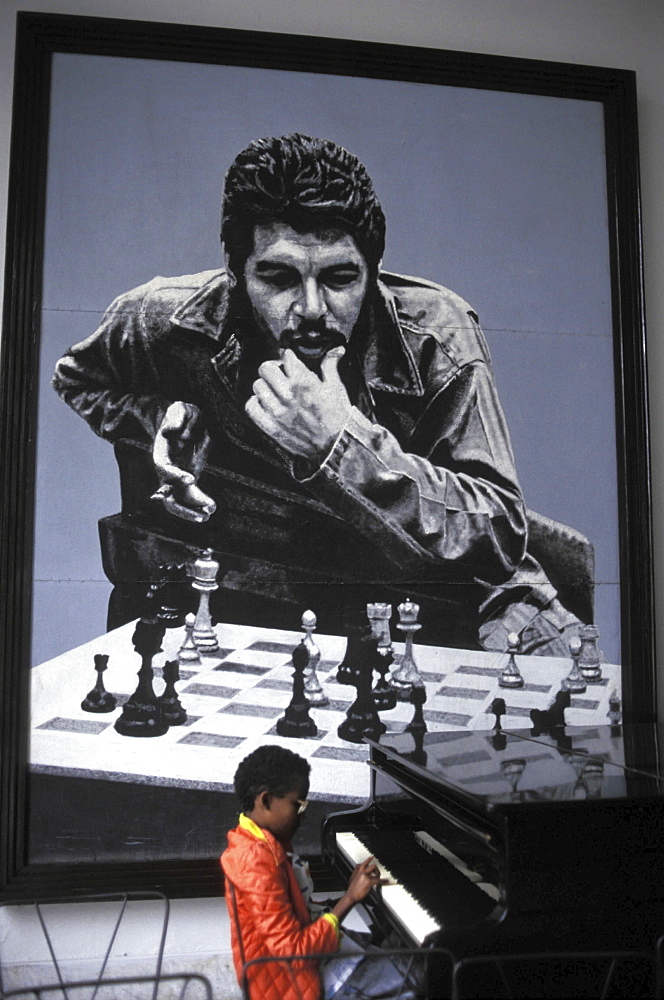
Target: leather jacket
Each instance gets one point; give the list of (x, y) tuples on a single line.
[(422, 472)]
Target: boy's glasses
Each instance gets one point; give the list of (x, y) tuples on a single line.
[(301, 805)]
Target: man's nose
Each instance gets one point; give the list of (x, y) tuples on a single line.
[(311, 302)]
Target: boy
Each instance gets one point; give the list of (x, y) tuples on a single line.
[(269, 917)]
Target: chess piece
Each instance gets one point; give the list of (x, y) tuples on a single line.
[(590, 657), (551, 718), (379, 615), (171, 595), (141, 713), (172, 711), (362, 717), (614, 714), (360, 644), (575, 680), (296, 720), (498, 708), (418, 696), (312, 687), (99, 699), (406, 675), (188, 652), (205, 581), (511, 677), (384, 695)]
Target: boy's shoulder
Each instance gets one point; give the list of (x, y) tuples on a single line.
[(250, 854)]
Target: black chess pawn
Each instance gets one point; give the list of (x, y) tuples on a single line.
[(99, 699), (499, 709), (362, 717), (498, 740), (141, 713), (418, 696), (384, 695), (296, 720), (172, 595), (172, 711)]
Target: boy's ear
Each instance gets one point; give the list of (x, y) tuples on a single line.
[(264, 798)]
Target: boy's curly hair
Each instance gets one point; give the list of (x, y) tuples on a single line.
[(269, 768)]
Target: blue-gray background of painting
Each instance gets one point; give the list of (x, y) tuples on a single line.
[(499, 196)]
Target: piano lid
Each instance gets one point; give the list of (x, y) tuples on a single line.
[(507, 767)]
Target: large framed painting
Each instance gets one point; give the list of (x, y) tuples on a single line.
[(395, 420)]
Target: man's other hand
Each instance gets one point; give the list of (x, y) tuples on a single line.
[(178, 452), (303, 413)]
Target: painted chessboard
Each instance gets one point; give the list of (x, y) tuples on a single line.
[(234, 698)]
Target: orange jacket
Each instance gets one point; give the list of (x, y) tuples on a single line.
[(272, 917)]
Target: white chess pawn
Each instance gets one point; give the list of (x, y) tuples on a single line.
[(312, 688), (188, 650), (205, 581), (511, 677)]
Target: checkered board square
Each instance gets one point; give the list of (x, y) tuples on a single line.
[(234, 697)]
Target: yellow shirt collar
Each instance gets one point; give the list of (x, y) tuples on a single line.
[(251, 827)]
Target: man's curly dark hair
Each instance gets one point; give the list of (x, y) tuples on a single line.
[(309, 184), (269, 768)]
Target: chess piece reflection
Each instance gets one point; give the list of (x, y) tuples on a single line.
[(99, 699), (205, 581), (141, 713), (172, 710), (296, 720), (512, 771), (312, 687), (511, 677), (614, 714), (406, 674)]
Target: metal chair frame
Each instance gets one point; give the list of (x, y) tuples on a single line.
[(188, 977), (123, 898), (515, 958)]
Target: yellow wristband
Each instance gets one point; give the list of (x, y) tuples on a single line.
[(334, 920)]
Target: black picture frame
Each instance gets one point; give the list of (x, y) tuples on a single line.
[(39, 36)]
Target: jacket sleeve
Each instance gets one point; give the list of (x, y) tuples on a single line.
[(110, 380), (448, 494), (266, 899)]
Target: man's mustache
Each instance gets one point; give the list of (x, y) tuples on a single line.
[(310, 333)]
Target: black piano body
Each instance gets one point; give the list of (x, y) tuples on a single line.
[(513, 841)]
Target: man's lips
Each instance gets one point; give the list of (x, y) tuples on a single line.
[(312, 344)]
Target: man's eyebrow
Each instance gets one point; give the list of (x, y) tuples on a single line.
[(274, 265)]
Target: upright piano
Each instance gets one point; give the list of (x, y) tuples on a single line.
[(513, 841)]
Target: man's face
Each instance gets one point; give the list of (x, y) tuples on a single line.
[(306, 289)]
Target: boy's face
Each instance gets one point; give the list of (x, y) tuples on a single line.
[(279, 814)]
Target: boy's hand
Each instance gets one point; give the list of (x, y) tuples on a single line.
[(365, 877)]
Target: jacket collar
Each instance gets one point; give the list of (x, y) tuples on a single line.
[(389, 364)]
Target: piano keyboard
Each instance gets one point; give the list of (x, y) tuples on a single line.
[(398, 900), (408, 912)]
